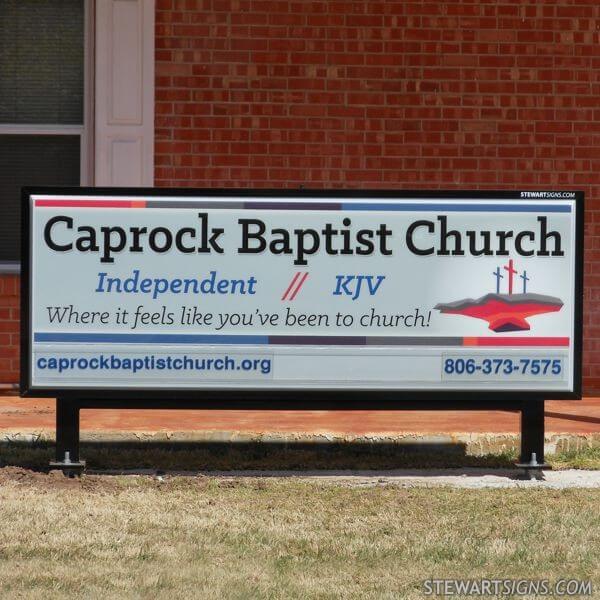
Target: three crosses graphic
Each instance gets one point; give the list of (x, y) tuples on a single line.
[(511, 272)]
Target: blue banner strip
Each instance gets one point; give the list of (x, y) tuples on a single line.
[(149, 338), (470, 207)]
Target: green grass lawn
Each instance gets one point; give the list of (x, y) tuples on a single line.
[(136, 537)]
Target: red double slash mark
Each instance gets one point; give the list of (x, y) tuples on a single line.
[(294, 287)]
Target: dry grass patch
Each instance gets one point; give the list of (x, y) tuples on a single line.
[(135, 537)]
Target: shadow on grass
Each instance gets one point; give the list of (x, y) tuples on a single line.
[(217, 456)]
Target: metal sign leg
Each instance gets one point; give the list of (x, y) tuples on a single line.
[(67, 438), (532, 439)]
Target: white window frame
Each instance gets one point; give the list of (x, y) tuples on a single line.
[(124, 102), (84, 131)]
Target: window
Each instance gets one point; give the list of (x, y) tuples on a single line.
[(44, 114)]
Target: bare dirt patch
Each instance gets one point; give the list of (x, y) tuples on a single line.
[(56, 480)]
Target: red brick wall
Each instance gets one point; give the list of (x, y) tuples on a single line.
[(457, 94), (9, 329)]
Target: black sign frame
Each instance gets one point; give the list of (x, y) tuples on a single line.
[(273, 399)]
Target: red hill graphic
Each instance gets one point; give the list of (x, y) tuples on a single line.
[(503, 312)]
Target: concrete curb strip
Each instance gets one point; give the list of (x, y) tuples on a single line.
[(466, 477), (474, 444)]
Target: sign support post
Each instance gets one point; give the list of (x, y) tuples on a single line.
[(532, 439), (67, 438)]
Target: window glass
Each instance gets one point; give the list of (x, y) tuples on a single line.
[(41, 61), (31, 160)]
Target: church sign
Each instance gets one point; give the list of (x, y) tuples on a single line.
[(227, 290)]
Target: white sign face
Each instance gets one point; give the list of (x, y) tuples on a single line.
[(262, 292)]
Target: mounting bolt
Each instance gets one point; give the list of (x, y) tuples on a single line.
[(67, 457)]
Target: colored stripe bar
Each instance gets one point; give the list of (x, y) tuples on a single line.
[(517, 341), (176, 203), (467, 207), (149, 338), (329, 340), (303, 206), (92, 203), (283, 205), (290, 340), (414, 341), (318, 340)]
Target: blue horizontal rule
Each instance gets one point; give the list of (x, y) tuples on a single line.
[(467, 207), (148, 338)]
